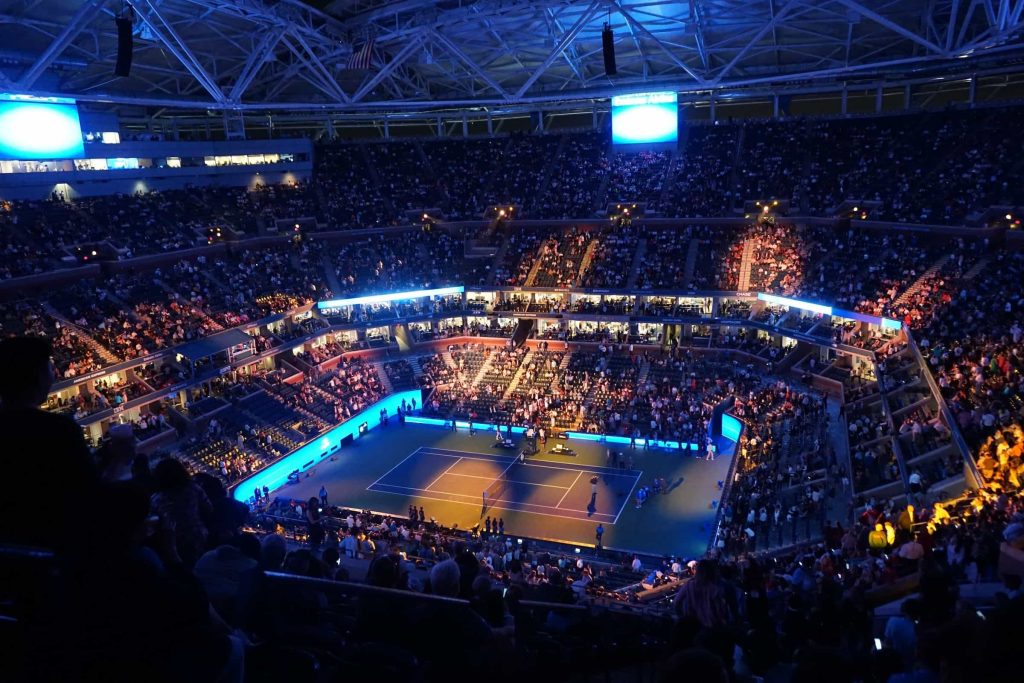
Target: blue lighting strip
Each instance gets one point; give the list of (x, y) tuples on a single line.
[(885, 323), (394, 296), (275, 476), (794, 303), (625, 440), (438, 422)]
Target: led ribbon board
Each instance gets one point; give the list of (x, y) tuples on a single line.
[(645, 117), (393, 296), (39, 128), (885, 323), (794, 303), (303, 458)]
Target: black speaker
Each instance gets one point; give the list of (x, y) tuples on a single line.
[(125, 47), (608, 46)]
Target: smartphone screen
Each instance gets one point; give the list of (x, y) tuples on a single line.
[(878, 643)]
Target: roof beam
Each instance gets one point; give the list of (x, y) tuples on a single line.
[(396, 61), (257, 57), (566, 40), (863, 11), (657, 42), (170, 39), (75, 25), (446, 43), (778, 16)]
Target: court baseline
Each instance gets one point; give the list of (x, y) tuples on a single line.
[(534, 508)]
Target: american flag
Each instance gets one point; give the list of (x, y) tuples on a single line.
[(361, 59)]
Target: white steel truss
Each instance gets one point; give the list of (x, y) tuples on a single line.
[(284, 55)]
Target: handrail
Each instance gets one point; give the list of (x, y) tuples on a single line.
[(947, 414)]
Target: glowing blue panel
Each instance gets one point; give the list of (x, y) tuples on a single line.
[(304, 457), (731, 427), (394, 296), (794, 303), (39, 130), (440, 422), (890, 324), (648, 117)]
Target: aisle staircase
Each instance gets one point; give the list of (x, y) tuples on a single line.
[(484, 369), (532, 275), (645, 369), (746, 265), (920, 282), (516, 378), (588, 258), (330, 274), (691, 261), (976, 268), (638, 262), (99, 349), (545, 176), (385, 381)]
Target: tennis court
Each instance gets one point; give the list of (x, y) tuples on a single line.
[(538, 487)]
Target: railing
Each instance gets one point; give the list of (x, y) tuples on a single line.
[(974, 478)]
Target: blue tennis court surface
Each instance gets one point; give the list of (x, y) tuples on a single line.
[(539, 487)]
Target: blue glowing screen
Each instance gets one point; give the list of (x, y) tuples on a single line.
[(647, 117), (731, 427), (39, 130)]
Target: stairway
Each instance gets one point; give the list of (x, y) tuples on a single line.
[(588, 258), (602, 190), (532, 275), (737, 159), (638, 262), (520, 371), (498, 259), (925, 277), (385, 381), (377, 181), (483, 370), (102, 351), (668, 182), (691, 261), (403, 337), (746, 265), (645, 369), (330, 273), (545, 176), (214, 325), (976, 268), (414, 363)]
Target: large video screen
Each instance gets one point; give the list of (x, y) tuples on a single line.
[(646, 117), (34, 129)]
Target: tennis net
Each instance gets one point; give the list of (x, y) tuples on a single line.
[(497, 487)]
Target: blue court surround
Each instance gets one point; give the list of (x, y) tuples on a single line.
[(307, 456)]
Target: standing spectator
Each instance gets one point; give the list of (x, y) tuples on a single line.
[(68, 473), (182, 507)]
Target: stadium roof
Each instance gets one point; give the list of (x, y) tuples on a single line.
[(428, 54)]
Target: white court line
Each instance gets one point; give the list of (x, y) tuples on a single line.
[(396, 466), (605, 517), (442, 474), (428, 451), (559, 505), (593, 469), (511, 481), (629, 496)]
